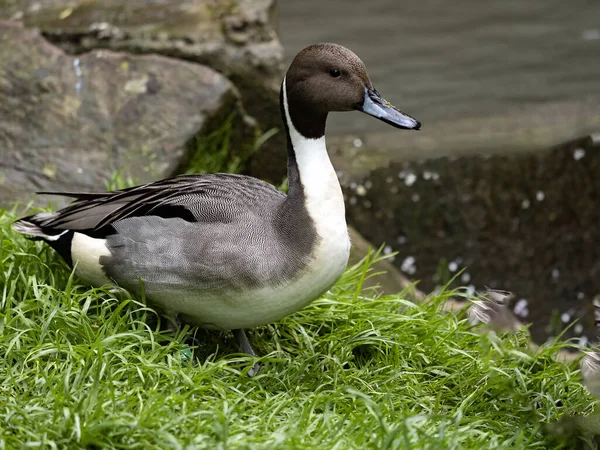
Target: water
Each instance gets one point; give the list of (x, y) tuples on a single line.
[(439, 60)]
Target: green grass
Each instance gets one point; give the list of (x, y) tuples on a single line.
[(212, 153), (91, 368)]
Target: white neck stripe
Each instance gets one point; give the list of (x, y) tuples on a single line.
[(322, 193), (294, 133)]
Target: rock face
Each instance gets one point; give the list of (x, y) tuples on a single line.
[(69, 122), (524, 222), (236, 38)]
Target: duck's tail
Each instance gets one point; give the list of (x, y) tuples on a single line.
[(34, 226), (58, 239)]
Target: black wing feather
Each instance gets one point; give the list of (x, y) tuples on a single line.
[(93, 213)]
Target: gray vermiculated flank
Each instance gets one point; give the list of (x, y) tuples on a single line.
[(244, 234)]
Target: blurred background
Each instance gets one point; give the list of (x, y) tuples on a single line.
[(500, 188), (466, 59)]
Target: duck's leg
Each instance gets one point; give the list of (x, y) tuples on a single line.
[(245, 347)]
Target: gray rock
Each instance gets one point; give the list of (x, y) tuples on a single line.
[(69, 122), (236, 38), (525, 222)]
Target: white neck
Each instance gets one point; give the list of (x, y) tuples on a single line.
[(322, 192)]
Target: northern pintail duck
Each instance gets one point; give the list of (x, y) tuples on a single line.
[(228, 251)]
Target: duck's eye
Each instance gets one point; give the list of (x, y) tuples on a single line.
[(334, 73)]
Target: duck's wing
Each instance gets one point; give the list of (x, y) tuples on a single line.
[(194, 198)]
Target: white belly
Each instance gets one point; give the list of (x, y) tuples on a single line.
[(268, 304)]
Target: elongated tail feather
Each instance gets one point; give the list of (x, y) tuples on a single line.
[(59, 240)]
